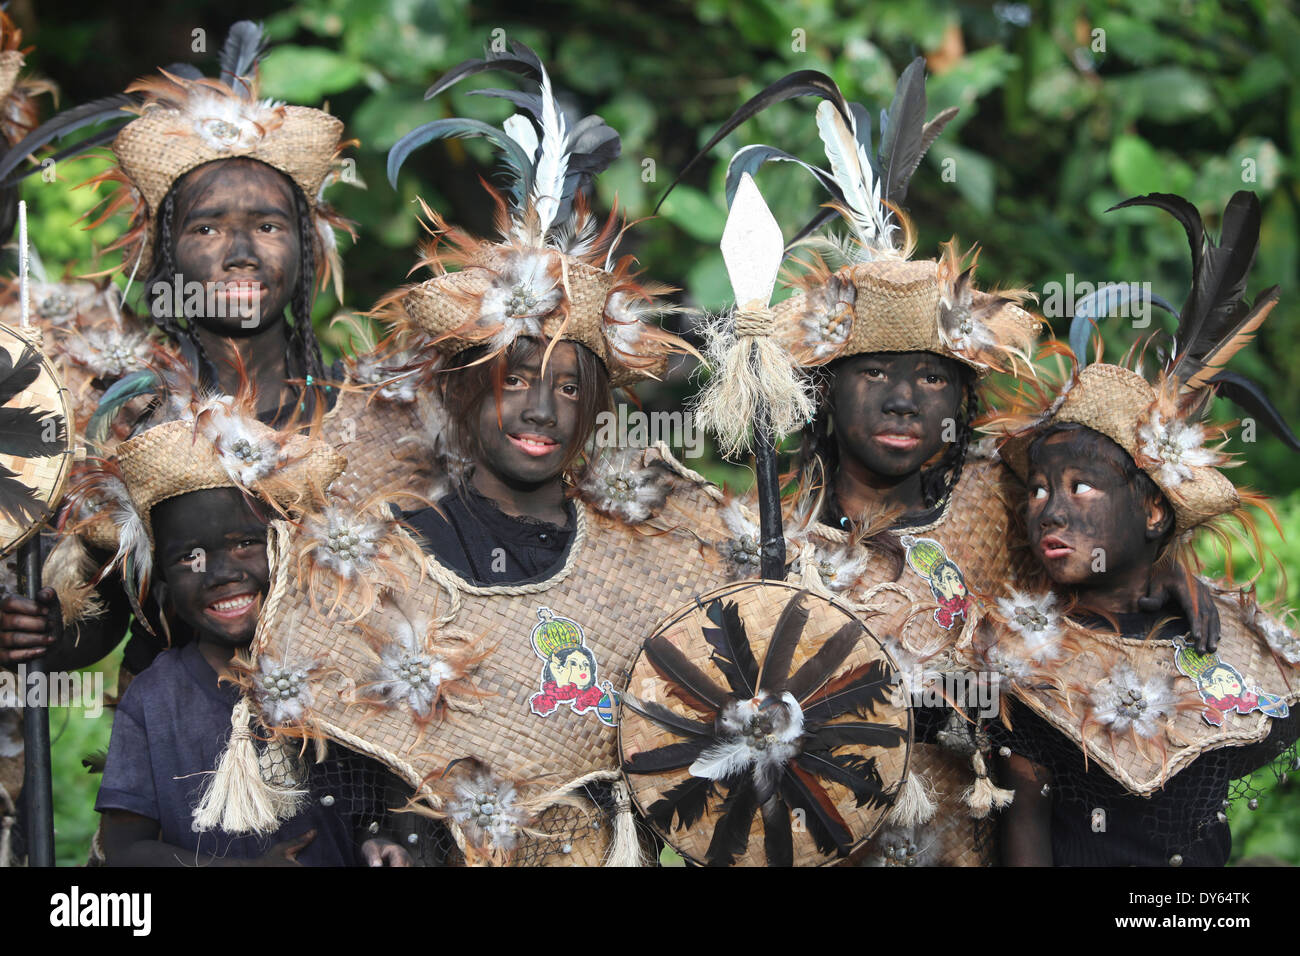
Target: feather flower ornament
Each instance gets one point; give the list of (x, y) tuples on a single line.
[(1124, 702), (1036, 618), (742, 551), (978, 326), (357, 548), (495, 812), (525, 288), (617, 485), (424, 668), (771, 741), (226, 123), (59, 302), (1281, 639), (282, 689), (1174, 447), (108, 351), (247, 453)]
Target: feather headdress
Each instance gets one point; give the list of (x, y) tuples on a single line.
[(876, 299), (181, 120), (1161, 424), (555, 273), (198, 440)]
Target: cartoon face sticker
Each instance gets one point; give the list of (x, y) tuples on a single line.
[(1222, 687), (569, 671), (927, 558)]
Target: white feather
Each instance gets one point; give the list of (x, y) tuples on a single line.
[(852, 171), (552, 160), (520, 128)]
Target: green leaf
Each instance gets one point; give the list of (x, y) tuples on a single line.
[(1135, 166), (307, 74), (969, 79), (698, 215), (388, 115), (972, 174), (1166, 94)]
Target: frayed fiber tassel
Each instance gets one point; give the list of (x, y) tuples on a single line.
[(7, 821), (625, 848), (914, 804), (69, 569), (983, 797), (236, 799), (750, 370)]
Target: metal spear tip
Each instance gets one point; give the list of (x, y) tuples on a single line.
[(752, 247)]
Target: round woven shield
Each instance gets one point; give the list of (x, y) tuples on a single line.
[(36, 444), (763, 725)]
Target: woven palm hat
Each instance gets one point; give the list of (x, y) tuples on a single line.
[(1123, 406), (902, 305), (170, 460)]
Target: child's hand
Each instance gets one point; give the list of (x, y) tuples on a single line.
[(286, 852), (381, 852), (27, 627), (1192, 596)]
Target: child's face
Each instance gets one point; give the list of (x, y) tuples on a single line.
[(235, 224), (210, 549), (539, 418), (1086, 522), (890, 409)]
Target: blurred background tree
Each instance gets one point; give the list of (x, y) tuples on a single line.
[(1067, 107)]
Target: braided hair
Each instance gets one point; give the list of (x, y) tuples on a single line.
[(819, 454), (303, 356)]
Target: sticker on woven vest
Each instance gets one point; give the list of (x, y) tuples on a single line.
[(926, 557), (1222, 688), (569, 671)]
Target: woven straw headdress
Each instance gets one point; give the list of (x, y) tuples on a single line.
[(554, 274), (1161, 424)]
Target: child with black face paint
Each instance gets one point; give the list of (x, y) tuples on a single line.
[(1134, 768)]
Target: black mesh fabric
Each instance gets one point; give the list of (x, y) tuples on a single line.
[(1097, 822)]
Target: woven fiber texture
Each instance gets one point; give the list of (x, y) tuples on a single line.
[(11, 62), (1146, 766), (760, 606), (1112, 400), (447, 307), (381, 441), (165, 144), (168, 460), (616, 583), (952, 837), (11, 775), (45, 477)]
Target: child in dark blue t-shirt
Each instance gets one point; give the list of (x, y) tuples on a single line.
[(174, 720)]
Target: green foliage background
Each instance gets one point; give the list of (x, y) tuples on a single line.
[(1066, 108)]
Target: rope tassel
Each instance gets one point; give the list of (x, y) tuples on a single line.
[(236, 798), (625, 848), (983, 796), (749, 368)]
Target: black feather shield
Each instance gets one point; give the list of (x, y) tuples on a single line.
[(819, 668), (853, 771), (693, 685), (859, 691), (732, 653), (825, 825)]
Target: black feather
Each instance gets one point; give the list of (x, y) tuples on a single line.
[(799, 83), (868, 734), (665, 717), (780, 649), (185, 71), (732, 653), (68, 121), (530, 103), (673, 666), (825, 827), (522, 61), (244, 46), (31, 433), (1248, 394), (860, 690), (900, 139), (16, 378), (97, 138), (731, 829), (687, 801), (669, 757), (18, 503), (819, 668), (1185, 213), (778, 839), (854, 772)]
